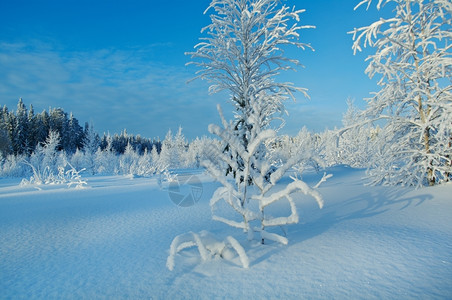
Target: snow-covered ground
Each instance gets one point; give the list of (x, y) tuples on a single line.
[(111, 240)]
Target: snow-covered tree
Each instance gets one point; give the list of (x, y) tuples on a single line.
[(5, 143), (174, 150), (167, 156), (90, 145), (260, 171), (47, 163), (357, 142), (145, 165), (180, 145), (32, 129), (50, 166), (413, 57), (243, 53), (74, 135), (20, 138), (128, 161), (304, 145), (46, 155), (78, 160), (12, 166), (198, 150), (42, 126), (106, 159), (155, 155)]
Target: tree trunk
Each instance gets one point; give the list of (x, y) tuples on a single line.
[(447, 175), (430, 175)]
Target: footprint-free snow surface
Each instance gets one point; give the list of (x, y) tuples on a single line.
[(111, 240)]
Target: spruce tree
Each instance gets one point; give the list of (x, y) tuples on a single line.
[(20, 140)]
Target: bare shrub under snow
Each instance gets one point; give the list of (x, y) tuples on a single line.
[(50, 166), (208, 246)]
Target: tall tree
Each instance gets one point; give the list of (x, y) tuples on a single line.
[(413, 57), (58, 122), (91, 144), (243, 53), (5, 141), (74, 135), (42, 126), (20, 138), (32, 130)]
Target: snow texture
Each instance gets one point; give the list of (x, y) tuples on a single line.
[(111, 240)]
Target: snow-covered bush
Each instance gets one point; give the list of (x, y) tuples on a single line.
[(46, 158), (357, 142), (78, 160), (73, 177), (12, 166), (305, 145), (200, 150), (131, 163), (66, 174), (327, 147), (145, 166), (49, 166)]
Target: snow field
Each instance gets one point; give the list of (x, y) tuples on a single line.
[(112, 240)]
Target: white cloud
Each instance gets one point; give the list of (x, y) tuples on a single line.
[(117, 89), (113, 89)]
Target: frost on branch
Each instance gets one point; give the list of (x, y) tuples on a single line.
[(257, 168), (208, 247)]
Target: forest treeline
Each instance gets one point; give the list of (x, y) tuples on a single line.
[(28, 141), (21, 131)]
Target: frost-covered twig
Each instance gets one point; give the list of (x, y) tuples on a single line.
[(44, 175), (324, 178), (208, 247), (74, 178)]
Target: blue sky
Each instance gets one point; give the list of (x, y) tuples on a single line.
[(121, 64)]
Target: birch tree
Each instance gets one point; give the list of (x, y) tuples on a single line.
[(413, 60)]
